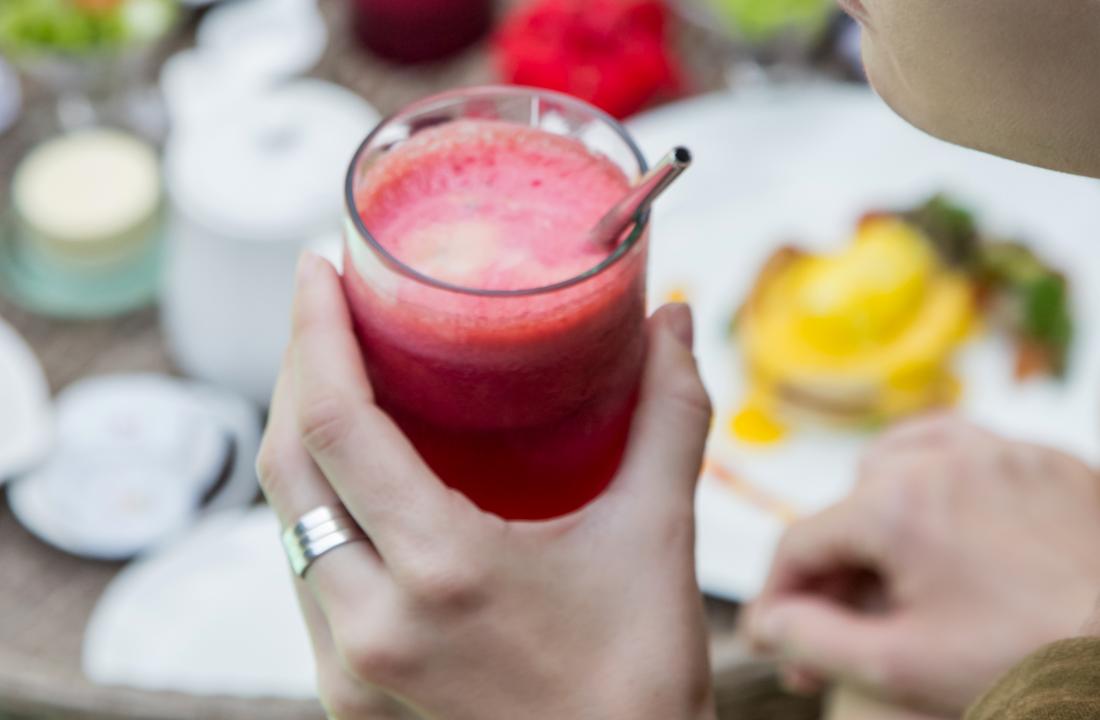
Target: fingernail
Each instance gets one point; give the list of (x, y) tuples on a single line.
[(308, 265), (681, 323)]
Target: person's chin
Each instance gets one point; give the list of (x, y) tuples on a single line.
[(880, 71), (889, 84)]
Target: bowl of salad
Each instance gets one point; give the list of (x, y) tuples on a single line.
[(78, 28), (86, 46)]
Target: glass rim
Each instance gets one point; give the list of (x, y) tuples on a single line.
[(640, 223)]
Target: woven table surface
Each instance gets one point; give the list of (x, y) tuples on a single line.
[(46, 596)]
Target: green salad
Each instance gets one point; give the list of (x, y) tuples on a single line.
[(75, 27)]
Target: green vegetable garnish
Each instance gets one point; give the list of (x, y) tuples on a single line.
[(949, 227), (1027, 296), (1036, 299), (62, 26)]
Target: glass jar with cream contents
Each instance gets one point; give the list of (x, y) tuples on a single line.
[(82, 232)]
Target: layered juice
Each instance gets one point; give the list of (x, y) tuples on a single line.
[(505, 344)]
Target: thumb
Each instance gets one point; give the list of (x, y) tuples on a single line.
[(827, 638), (664, 454)]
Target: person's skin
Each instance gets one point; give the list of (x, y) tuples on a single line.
[(1016, 78), (465, 616), (958, 554)]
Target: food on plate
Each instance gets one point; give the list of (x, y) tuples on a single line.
[(861, 335), (867, 334), (1020, 293)]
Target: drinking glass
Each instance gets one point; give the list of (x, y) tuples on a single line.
[(521, 399), (413, 31)]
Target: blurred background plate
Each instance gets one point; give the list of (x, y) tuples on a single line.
[(24, 405), (215, 613), (11, 97), (802, 164)]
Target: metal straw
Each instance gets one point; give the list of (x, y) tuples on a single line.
[(609, 229)]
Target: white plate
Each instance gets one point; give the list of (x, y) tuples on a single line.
[(273, 40), (804, 163), (134, 456), (211, 614), (11, 97), (24, 405)]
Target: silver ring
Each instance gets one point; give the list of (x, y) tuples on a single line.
[(317, 532)]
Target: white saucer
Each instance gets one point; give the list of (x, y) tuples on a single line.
[(11, 96), (214, 613), (25, 428), (271, 39), (133, 459)]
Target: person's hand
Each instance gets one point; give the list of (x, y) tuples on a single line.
[(957, 555), (460, 614)]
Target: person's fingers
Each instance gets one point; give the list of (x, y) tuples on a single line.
[(923, 432), (294, 486), (369, 462), (841, 538), (342, 694), (800, 680), (825, 640), (290, 479), (664, 454), (320, 634)]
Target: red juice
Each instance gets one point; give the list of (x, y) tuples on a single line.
[(516, 392), (413, 31)]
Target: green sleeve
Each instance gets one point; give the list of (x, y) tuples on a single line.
[(1060, 682)]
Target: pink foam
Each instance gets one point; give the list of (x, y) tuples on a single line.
[(490, 205)]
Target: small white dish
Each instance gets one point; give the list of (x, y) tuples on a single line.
[(271, 39), (221, 599), (134, 458), (250, 186), (25, 428), (11, 96)]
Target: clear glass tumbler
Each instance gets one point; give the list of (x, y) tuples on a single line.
[(521, 399)]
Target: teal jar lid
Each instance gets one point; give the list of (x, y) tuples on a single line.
[(83, 233)]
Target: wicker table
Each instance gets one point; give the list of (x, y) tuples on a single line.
[(46, 596)]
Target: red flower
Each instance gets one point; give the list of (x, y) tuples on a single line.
[(613, 53)]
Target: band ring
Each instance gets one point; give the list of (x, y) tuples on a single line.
[(317, 532)]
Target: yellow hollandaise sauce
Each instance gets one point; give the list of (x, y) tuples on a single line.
[(857, 337)]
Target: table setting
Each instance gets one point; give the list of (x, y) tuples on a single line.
[(166, 164)]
